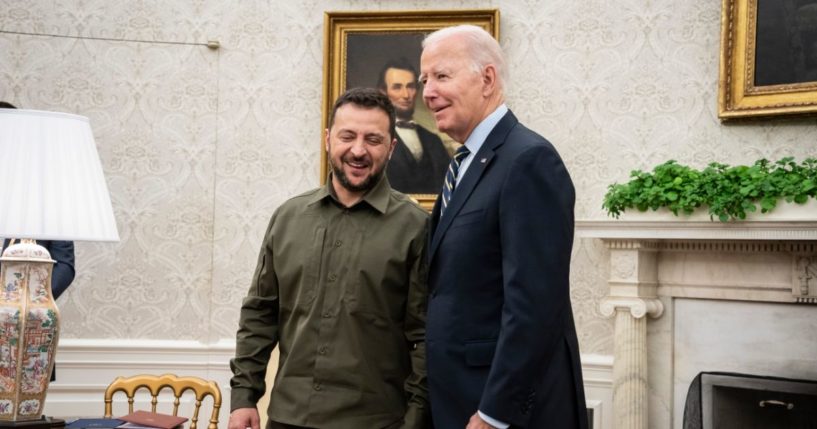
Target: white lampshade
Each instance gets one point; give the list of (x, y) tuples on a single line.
[(51, 181)]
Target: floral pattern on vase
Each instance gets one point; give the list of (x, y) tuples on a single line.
[(38, 284), (30, 328), (30, 407), (6, 406)]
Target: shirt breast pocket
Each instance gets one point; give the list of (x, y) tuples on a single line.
[(310, 272)]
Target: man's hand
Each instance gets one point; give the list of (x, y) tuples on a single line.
[(243, 418), (476, 422)]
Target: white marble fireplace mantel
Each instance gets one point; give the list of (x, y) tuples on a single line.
[(660, 261), (670, 228)]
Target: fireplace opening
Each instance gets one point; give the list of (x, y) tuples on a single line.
[(718, 400)]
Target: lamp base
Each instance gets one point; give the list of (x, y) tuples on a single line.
[(43, 423), (29, 329)]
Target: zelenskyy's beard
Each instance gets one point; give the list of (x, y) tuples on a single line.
[(404, 114), (369, 183)]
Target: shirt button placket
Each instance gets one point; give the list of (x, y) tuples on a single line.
[(321, 364), (327, 323)]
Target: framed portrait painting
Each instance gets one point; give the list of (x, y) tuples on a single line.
[(768, 63), (382, 50)]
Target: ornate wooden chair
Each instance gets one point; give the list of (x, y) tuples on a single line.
[(156, 384)]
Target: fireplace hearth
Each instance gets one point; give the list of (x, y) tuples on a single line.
[(719, 400)]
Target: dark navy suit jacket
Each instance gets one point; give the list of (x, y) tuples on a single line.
[(63, 272), (500, 335)]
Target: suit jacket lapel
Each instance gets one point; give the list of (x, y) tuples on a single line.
[(472, 176)]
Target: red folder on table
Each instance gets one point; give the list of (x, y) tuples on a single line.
[(155, 420)]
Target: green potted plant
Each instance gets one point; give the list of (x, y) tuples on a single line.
[(727, 192)]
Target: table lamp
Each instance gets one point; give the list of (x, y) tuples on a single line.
[(51, 188)]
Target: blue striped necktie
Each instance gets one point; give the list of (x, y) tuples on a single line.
[(451, 176)]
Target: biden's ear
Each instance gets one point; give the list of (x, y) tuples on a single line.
[(488, 80)]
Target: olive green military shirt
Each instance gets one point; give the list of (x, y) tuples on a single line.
[(342, 292)]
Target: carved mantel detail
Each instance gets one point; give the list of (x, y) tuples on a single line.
[(805, 279), (638, 307), (653, 262), (633, 279)]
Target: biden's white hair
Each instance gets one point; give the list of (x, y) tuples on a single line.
[(480, 46)]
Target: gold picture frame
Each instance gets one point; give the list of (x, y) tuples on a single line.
[(768, 63), (358, 44)]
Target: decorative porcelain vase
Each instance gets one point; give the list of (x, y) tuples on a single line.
[(29, 329)]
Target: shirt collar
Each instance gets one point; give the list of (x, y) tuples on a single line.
[(477, 138), (377, 197)]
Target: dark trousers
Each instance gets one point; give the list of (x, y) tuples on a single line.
[(275, 425)]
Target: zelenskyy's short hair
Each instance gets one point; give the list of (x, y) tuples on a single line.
[(369, 98)]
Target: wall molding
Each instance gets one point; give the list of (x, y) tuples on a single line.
[(597, 371), (85, 367)]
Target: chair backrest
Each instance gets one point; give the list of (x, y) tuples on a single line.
[(156, 384)]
